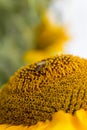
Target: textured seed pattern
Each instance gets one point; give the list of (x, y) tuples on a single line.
[(37, 91)]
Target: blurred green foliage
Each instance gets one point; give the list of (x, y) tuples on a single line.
[(18, 20)]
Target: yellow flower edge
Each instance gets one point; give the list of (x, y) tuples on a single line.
[(60, 121)]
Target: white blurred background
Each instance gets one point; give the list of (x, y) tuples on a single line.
[(74, 15)]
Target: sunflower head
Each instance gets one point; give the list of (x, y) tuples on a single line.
[(35, 92)]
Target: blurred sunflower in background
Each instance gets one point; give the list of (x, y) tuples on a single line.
[(50, 39)]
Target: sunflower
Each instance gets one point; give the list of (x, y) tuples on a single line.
[(47, 95), (49, 40)]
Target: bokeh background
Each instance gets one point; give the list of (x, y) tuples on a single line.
[(31, 30)]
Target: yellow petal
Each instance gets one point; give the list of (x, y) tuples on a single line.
[(61, 121)]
